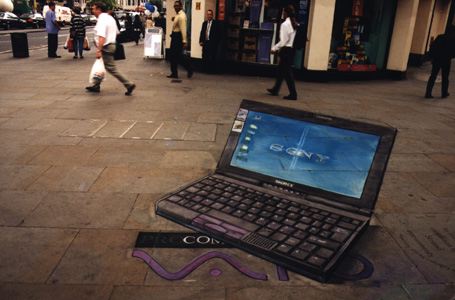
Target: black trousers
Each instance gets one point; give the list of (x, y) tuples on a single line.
[(52, 44), (444, 66), (285, 71), (209, 51), (176, 54)]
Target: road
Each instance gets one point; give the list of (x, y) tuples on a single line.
[(37, 38)]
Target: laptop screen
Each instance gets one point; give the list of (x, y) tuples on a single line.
[(324, 157)]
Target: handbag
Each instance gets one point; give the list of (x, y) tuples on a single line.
[(70, 45), (86, 44), (119, 52)]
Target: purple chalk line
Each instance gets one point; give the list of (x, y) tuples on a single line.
[(194, 264)]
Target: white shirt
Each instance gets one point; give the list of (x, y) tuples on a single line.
[(107, 28), (287, 35), (209, 25)]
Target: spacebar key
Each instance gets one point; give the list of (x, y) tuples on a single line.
[(232, 220)]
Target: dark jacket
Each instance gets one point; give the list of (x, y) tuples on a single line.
[(442, 48), (214, 35)]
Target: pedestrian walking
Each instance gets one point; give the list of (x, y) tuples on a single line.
[(78, 32), (52, 29), (209, 38), (105, 39), (286, 54), (138, 27), (441, 53), (179, 42), (129, 28)]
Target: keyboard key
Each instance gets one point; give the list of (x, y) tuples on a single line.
[(299, 254), (288, 222), (339, 237), (220, 186), (204, 209), (228, 209), (282, 205), (318, 217), (302, 226), (183, 193), (183, 201), (217, 191), (213, 197), (313, 230), (274, 225), (326, 226), (323, 242), (196, 207), (198, 185), (236, 198), (292, 216), (347, 225), (227, 195), (317, 224), (238, 213), (300, 234), (265, 214), (324, 253), (277, 236), (208, 182), (283, 248), (287, 230), (331, 220), (232, 203), (258, 204), (293, 209), (249, 217), (206, 202), (197, 198), (269, 208), (325, 234), (324, 213), (308, 247), (306, 220), (315, 260), (292, 241), (277, 218), (214, 227), (203, 193), (207, 188), (227, 218), (248, 201), (217, 206), (192, 189), (346, 219), (265, 232), (261, 221), (254, 210), (174, 198), (280, 212), (243, 206), (315, 210)]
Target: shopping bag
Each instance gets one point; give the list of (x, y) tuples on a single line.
[(65, 46), (70, 45), (86, 44), (98, 72), (119, 52)]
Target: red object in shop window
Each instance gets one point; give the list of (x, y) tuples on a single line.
[(363, 68), (357, 8), (344, 67)]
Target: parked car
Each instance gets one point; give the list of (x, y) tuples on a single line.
[(34, 20), (9, 20), (89, 19)]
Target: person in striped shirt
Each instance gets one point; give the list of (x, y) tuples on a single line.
[(78, 32)]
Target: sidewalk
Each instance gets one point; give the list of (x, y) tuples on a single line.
[(80, 173)]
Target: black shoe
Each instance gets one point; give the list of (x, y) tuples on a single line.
[(190, 74), (130, 90), (55, 56), (290, 97), (81, 57), (272, 92), (429, 96), (445, 95), (93, 89), (74, 57), (172, 76)]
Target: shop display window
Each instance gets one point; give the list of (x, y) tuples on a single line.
[(361, 35)]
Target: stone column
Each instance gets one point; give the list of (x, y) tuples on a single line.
[(403, 30), (320, 25)]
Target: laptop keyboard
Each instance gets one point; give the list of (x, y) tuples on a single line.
[(307, 234)]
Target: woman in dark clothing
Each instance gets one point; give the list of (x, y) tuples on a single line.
[(129, 28), (286, 54), (137, 28), (78, 32)]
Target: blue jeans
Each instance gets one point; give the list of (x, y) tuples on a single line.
[(78, 45)]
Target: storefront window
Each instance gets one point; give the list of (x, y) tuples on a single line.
[(253, 26), (361, 34)]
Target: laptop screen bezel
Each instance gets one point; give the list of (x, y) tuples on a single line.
[(375, 175)]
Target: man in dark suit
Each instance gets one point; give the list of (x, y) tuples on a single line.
[(441, 53), (209, 39)]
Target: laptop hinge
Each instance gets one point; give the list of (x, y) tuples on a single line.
[(343, 206), (240, 177)]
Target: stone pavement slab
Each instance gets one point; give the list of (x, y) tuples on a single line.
[(31, 254), (16, 205)]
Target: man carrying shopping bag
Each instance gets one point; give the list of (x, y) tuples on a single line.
[(105, 35)]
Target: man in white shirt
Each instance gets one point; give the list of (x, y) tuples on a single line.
[(105, 36), (286, 52)]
